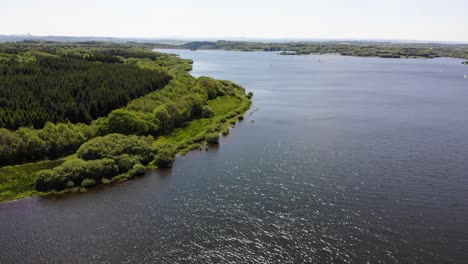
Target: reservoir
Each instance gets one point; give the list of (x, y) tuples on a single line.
[(339, 160)]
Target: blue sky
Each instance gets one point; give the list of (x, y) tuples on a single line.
[(438, 20)]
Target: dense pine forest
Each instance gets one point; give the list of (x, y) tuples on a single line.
[(52, 88)]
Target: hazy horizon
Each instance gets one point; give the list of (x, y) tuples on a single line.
[(24, 36), (361, 20)]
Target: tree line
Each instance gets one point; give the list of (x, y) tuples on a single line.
[(347, 48), (98, 161)]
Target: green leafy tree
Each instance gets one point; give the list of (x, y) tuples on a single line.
[(165, 157), (126, 122)]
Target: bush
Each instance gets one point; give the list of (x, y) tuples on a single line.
[(196, 104), (213, 87), (137, 170), (75, 171), (127, 122), (250, 95), (87, 183), (212, 138), (225, 131), (199, 138), (70, 184), (114, 146), (48, 180), (165, 157), (207, 111), (163, 119), (240, 118), (126, 162), (211, 129), (105, 181)]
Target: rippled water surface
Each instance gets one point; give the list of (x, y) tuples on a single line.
[(346, 160)]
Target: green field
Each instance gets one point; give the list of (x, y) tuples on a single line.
[(17, 182)]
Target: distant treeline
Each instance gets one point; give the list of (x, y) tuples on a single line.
[(69, 87), (350, 48)]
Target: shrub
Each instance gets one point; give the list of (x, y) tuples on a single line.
[(207, 111), (125, 162), (70, 184), (105, 181), (137, 170), (250, 95), (196, 104), (114, 146), (127, 122), (163, 119), (87, 183), (199, 138), (213, 87), (48, 180), (75, 171), (212, 138), (240, 118), (165, 157), (211, 129), (225, 131)]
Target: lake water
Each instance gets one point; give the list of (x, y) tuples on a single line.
[(346, 160)]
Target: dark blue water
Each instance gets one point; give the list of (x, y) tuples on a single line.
[(346, 160)]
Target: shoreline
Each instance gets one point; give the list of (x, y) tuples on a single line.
[(289, 53), (184, 149)]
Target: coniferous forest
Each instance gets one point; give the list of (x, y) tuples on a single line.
[(58, 89)]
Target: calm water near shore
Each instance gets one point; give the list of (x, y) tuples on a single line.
[(340, 160)]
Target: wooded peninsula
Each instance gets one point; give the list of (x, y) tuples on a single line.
[(75, 115)]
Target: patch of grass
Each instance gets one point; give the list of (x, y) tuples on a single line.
[(224, 105), (190, 131), (190, 136), (17, 181)]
